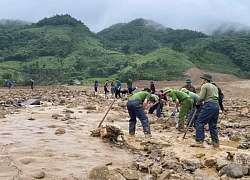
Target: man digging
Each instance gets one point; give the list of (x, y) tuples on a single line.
[(136, 105), (209, 113), (182, 99)]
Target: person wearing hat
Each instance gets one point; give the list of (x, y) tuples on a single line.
[(209, 112), (136, 105), (152, 87), (182, 99), (194, 98), (189, 86), (157, 104)]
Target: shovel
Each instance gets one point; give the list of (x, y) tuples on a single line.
[(106, 113), (188, 125)]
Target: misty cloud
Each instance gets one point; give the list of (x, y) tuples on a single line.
[(201, 15)]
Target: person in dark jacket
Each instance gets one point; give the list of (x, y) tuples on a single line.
[(189, 86), (96, 86), (221, 97), (152, 87)]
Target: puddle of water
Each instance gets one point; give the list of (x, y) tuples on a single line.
[(211, 172), (233, 144)]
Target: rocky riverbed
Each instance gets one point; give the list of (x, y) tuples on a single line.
[(51, 140)]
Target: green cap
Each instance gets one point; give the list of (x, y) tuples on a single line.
[(184, 90), (206, 77), (166, 90)]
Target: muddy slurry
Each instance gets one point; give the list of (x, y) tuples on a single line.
[(51, 140)]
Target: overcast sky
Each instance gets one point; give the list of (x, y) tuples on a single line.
[(99, 14)]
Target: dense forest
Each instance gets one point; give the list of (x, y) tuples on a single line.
[(62, 49)]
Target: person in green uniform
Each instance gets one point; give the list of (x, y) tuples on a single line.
[(209, 113), (129, 85), (182, 99), (136, 105), (197, 108), (189, 86)]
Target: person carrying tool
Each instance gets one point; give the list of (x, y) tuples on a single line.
[(157, 105), (189, 86), (194, 98), (136, 105), (152, 87), (221, 97), (209, 112), (182, 99)]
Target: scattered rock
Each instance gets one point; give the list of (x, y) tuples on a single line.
[(156, 170), (38, 175), (130, 175), (60, 131), (242, 158), (165, 175), (235, 137), (99, 173), (210, 162), (234, 170), (220, 164), (114, 175), (31, 118), (69, 111), (55, 116), (90, 107), (27, 160), (67, 116)]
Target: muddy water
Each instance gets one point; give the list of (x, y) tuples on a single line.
[(71, 155)]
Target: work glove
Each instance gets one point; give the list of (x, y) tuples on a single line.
[(172, 114)]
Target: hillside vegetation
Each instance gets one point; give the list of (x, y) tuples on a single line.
[(62, 49)]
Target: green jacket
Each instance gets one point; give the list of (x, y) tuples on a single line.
[(209, 93), (190, 88)]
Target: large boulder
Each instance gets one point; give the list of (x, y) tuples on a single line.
[(234, 170), (99, 173)]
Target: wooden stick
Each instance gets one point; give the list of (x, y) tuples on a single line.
[(106, 113)]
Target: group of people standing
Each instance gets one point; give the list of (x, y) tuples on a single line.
[(203, 108), (115, 88)]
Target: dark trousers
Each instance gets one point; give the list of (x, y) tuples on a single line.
[(209, 115), (130, 90), (106, 91), (221, 105), (190, 115), (117, 93), (95, 89), (135, 110), (157, 107)]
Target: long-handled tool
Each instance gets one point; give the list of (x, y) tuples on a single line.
[(106, 113), (190, 122)]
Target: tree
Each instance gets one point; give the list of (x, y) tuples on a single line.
[(126, 49), (177, 46)]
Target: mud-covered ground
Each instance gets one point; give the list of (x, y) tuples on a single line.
[(52, 140)]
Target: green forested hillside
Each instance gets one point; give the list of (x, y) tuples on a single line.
[(143, 36), (61, 49)]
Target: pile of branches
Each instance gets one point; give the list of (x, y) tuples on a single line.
[(109, 133)]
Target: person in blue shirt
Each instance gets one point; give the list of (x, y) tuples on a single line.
[(9, 84), (118, 88)]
